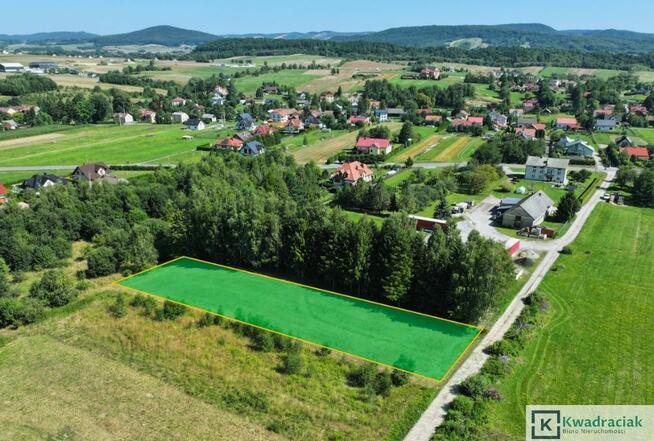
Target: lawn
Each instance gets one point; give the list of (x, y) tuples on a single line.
[(356, 216), (423, 345), (107, 143), (419, 84), (591, 347), (399, 177), (292, 78), (645, 134)]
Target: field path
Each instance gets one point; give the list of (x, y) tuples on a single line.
[(18, 142), (433, 416)]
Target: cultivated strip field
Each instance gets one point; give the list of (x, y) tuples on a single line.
[(423, 345), (460, 150), (592, 347), (108, 143), (417, 149)]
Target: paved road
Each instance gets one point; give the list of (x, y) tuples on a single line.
[(433, 416)]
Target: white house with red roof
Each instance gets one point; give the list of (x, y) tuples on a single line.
[(293, 126), (361, 120), (148, 116), (567, 124), (352, 172), (282, 115), (373, 146), (178, 101), (229, 143)]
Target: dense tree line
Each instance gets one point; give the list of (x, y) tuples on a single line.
[(490, 56), (17, 85), (508, 149), (263, 213), (394, 95)]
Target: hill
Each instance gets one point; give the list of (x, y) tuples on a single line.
[(48, 37), (513, 35), (163, 35)]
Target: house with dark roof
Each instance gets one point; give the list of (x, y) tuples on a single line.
[(91, 172), (195, 124), (253, 148), (244, 121), (529, 212), (37, 182), (624, 141), (546, 169), (576, 147)]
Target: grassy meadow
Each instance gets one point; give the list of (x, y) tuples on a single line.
[(590, 349)]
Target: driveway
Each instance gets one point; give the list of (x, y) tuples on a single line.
[(434, 414)]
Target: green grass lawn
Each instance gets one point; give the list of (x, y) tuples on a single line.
[(356, 216), (109, 143), (292, 78), (424, 345), (592, 347), (33, 131), (396, 179), (645, 134)]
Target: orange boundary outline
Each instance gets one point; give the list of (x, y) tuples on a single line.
[(438, 381)]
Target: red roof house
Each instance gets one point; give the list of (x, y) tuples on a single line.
[(230, 143), (567, 123), (353, 120), (351, 172), (636, 152), (373, 146)]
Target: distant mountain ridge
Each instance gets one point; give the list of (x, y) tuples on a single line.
[(535, 35)]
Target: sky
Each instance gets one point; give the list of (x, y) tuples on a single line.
[(267, 16)]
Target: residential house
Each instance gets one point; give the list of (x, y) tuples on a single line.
[(293, 127), (529, 104), (373, 146), (208, 118), (605, 125), (358, 120), (244, 121), (195, 124), (466, 121), (220, 90), (178, 101), (244, 136), (123, 118), (529, 212), (430, 73), (638, 153), (37, 182), (282, 115), (9, 124), (229, 143), (567, 124), (271, 90), (516, 113), (526, 123), (499, 121), (148, 116), (253, 148), (638, 109), (327, 97), (395, 112), (313, 121), (576, 147), (98, 172), (3, 194), (526, 133), (179, 117), (382, 115), (433, 120), (352, 172), (546, 169), (624, 141), (22, 108), (264, 130), (603, 113), (217, 100)]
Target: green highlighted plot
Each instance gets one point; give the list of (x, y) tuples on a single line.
[(420, 344)]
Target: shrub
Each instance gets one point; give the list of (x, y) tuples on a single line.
[(399, 378), (496, 368), (119, 308), (282, 343), (383, 383), (170, 311), (567, 250), (502, 347), (83, 285), (101, 262), (264, 342), (54, 289), (44, 257), (363, 375), (208, 320), (323, 352), (475, 386), (15, 312), (292, 363)]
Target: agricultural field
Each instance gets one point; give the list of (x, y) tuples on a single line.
[(590, 347), (84, 82), (452, 148), (345, 80), (428, 138), (139, 143), (418, 83), (292, 78)]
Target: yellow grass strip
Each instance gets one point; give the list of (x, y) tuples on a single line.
[(420, 147), (452, 151)]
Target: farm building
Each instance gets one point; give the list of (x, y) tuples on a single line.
[(352, 172), (9, 124), (373, 146), (546, 169), (45, 66), (11, 67), (208, 117), (123, 118), (179, 117), (427, 223), (529, 212)]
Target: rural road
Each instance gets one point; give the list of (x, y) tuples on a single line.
[(434, 414)]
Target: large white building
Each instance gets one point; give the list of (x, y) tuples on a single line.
[(11, 67), (546, 169)]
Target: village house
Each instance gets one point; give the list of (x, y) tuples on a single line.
[(208, 118), (638, 153), (373, 146), (21, 108), (546, 169), (37, 182), (638, 109), (92, 173), (430, 73), (263, 130), (148, 116), (433, 120), (244, 121), (624, 141), (179, 117), (293, 127), (178, 101), (229, 143), (527, 133), (382, 115), (253, 148), (530, 104), (282, 115), (195, 124), (327, 97), (313, 121), (516, 113), (123, 118), (567, 124), (605, 125), (576, 147), (358, 120), (528, 212), (526, 123), (352, 172), (9, 124)]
